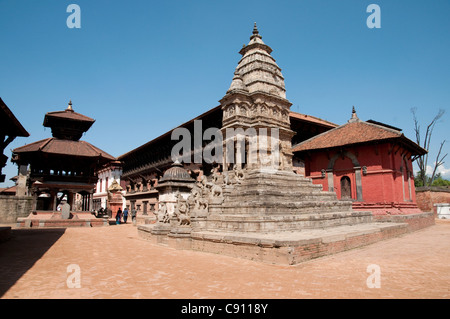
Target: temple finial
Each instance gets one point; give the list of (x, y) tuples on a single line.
[(255, 29), (69, 107), (354, 117), (255, 32)]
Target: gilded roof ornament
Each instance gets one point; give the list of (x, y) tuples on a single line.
[(69, 106)]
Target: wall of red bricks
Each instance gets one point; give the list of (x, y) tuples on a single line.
[(426, 197), (386, 179)]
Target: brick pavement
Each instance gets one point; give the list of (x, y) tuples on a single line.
[(115, 263)]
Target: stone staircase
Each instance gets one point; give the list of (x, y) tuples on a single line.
[(281, 201)]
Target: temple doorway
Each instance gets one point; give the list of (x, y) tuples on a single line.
[(346, 188)]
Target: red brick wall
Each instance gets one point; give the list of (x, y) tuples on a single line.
[(426, 197), (386, 180)]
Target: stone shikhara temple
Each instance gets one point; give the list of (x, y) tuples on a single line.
[(246, 206)]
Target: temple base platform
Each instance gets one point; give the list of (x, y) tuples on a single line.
[(52, 219), (287, 247)]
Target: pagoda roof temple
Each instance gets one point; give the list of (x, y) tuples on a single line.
[(62, 164)]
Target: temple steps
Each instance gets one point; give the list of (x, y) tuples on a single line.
[(277, 195), (285, 222), (293, 207)]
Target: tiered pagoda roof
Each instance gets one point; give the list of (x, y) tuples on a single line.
[(64, 151), (64, 147)]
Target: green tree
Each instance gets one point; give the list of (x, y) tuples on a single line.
[(439, 181)]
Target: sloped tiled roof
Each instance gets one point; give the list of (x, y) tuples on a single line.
[(68, 114), (8, 190), (311, 119), (9, 124), (356, 132), (64, 147)]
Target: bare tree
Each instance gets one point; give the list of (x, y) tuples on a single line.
[(422, 161)]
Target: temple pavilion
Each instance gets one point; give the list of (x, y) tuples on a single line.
[(62, 168)]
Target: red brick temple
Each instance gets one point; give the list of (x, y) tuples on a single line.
[(62, 171), (367, 162)]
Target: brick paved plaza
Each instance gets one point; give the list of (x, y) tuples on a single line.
[(115, 263)]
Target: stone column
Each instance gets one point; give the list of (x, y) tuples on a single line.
[(359, 196), (70, 199), (35, 199), (239, 155), (54, 195), (91, 200), (21, 188), (330, 178)]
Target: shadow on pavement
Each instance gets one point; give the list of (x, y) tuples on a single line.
[(21, 251)]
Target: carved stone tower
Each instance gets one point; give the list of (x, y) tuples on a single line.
[(256, 126), (261, 191)]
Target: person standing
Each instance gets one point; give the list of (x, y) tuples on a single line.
[(118, 216), (125, 215)]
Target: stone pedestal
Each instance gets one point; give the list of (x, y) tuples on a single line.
[(180, 237), (159, 232), (65, 211)]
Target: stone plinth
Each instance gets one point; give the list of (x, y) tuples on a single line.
[(49, 219), (414, 221), (180, 237), (281, 201), (290, 248)]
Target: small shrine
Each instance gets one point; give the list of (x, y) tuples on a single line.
[(60, 172), (115, 200)]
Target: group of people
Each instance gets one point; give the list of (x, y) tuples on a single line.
[(124, 214)]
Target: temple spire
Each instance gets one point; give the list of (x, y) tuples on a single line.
[(257, 71), (69, 106), (354, 117), (255, 32)]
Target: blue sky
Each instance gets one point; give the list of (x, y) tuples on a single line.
[(141, 68)]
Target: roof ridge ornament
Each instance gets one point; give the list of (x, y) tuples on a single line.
[(354, 117), (69, 106)]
